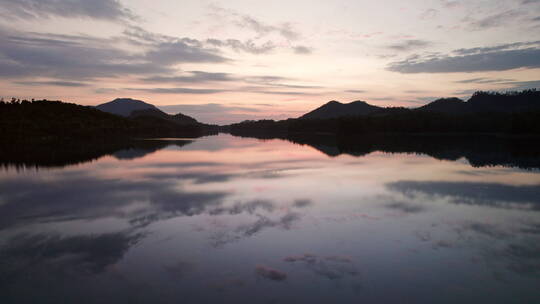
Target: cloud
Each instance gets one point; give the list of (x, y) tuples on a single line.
[(501, 47), (263, 211), (405, 207), (263, 222), (26, 54), (138, 35), (334, 267), (483, 80), (262, 29), (249, 208), (356, 91), (62, 256), (498, 58), (249, 46), (142, 37), (265, 82), (486, 229), (283, 85), (302, 203), (200, 77), (505, 84), (422, 100), (177, 90), (52, 83), (265, 79), (35, 55), (209, 108), (465, 93), (297, 93), (284, 32), (415, 91), (450, 3), (493, 21), (304, 50), (182, 51), (409, 45), (523, 85), (33, 199), (193, 77), (469, 193), (34, 9), (429, 14), (270, 273)]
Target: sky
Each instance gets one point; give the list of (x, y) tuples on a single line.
[(227, 61)]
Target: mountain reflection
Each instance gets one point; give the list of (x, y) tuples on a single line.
[(480, 151), (56, 155)]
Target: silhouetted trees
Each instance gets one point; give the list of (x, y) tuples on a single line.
[(44, 120), (488, 112)]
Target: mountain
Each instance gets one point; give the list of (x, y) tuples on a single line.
[(124, 106), (49, 121), (446, 105), (487, 102), (510, 102), (184, 119), (480, 102), (485, 112), (335, 109), (141, 110), (179, 118)]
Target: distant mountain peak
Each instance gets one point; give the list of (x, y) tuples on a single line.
[(335, 109), (126, 99), (124, 106)]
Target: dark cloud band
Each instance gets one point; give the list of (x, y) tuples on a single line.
[(474, 60)]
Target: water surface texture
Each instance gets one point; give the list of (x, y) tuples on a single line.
[(225, 219)]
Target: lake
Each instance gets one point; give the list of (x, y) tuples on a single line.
[(225, 219)]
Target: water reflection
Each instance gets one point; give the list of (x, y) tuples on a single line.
[(480, 151), (63, 256), (24, 156), (248, 221), (472, 193)]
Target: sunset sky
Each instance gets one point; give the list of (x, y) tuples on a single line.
[(226, 61)]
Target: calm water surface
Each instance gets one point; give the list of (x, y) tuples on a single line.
[(224, 219)]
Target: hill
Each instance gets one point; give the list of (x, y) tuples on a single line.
[(484, 112), (446, 105), (334, 109), (47, 121), (509, 102), (124, 106), (140, 110), (156, 113), (480, 102)]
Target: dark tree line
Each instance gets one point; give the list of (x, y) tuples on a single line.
[(45, 121), (485, 112)]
